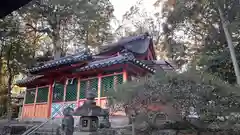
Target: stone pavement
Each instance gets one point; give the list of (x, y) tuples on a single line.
[(118, 121)]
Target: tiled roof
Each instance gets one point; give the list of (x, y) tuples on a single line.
[(122, 58), (28, 79), (165, 65), (63, 61), (129, 39), (136, 44), (139, 47)]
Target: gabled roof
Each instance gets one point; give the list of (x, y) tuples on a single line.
[(84, 56), (138, 45), (165, 65), (128, 50), (126, 57), (120, 59)]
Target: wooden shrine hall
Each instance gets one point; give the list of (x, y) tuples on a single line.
[(65, 81)]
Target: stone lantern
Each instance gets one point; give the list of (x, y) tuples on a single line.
[(89, 113)]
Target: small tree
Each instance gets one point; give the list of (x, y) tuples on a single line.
[(213, 102), (16, 53)]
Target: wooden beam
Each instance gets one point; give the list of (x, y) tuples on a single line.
[(35, 100), (78, 91), (50, 94), (24, 100), (65, 90), (125, 73), (99, 89), (115, 81)]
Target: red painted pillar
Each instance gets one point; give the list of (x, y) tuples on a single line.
[(50, 94), (78, 92), (125, 75), (65, 90), (115, 81), (99, 89), (24, 100), (35, 101)]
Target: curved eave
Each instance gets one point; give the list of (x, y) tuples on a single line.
[(105, 63), (123, 43), (28, 80), (60, 63), (124, 58)]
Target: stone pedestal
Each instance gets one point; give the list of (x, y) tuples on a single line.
[(89, 113), (106, 131), (88, 123), (85, 133)]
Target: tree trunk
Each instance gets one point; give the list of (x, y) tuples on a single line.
[(57, 45), (87, 38), (1, 64), (9, 97), (10, 78), (230, 45), (56, 38)]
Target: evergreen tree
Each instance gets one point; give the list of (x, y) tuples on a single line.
[(83, 23), (200, 22), (15, 55)]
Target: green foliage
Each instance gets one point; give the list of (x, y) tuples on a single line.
[(15, 53), (214, 100), (200, 21), (82, 22)]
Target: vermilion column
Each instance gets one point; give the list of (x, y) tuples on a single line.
[(35, 101), (65, 90), (50, 94), (24, 100), (78, 91), (99, 89), (125, 75)]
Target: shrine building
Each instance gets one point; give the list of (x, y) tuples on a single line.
[(65, 81)]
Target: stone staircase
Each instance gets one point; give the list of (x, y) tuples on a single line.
[(52, 126), (48, 129)]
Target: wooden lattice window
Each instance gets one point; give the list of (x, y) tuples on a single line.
[(42, 94), (93, 85), (109, 83), (71, 90), (58, 92), (106, 84), (30, 96), (119, 79), (85, 85)]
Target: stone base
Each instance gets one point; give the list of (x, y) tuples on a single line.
[(85, 133), (164, 132), (99, 132)]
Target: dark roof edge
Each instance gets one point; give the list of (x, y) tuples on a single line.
[(72, 59), (122, 42), (27, 80)]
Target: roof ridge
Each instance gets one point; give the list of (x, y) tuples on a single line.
[(126, 40)]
